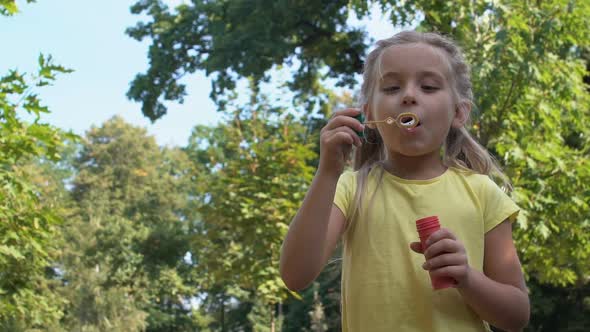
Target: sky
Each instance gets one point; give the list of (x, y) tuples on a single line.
[(89, 37)]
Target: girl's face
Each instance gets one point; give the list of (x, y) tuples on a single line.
[(414, 78)]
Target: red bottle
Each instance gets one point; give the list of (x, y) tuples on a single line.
[(425, 227)]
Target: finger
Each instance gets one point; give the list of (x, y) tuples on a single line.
[(416, 247), (444, 260), (356, 139), (442, 233), (453, 271), (341, 120), (350, 111), (353, 133), (340, 137), (442, 246), (344, 121)]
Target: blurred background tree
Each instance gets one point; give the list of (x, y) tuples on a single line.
[(29, 218), (112, 232)]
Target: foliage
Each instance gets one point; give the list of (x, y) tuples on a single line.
[(28, 223), (9, 7), (214, 36), (557, 308), (528, 77), (129, 236), (300, 313), (250, 174)]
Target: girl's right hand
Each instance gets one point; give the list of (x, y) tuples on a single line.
[(336, 140)]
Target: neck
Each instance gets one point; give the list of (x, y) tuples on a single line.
[(415, 168)]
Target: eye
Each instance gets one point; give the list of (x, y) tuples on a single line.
[(429, 88), (390, 89)]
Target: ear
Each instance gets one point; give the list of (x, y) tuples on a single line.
[(368, 115), (462, 111)]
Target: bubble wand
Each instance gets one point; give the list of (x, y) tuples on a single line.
[(404, 121)]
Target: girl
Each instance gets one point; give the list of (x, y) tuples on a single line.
[(402, 175)]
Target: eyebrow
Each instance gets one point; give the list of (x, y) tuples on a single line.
[(423, 73)]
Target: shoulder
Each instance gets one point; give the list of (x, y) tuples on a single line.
[(348, 179), (348, 175), (495, 203), (370, 175), (346, 184), (479, 183)]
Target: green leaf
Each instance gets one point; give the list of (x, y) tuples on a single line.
[(11, 251), (10, 6)]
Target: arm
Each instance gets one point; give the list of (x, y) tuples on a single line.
[(312, 236), (315, 230), (499, 295)]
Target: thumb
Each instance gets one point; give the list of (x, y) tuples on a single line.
[(416, 247)]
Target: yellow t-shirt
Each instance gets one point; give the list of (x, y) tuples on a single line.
[(384, 287)]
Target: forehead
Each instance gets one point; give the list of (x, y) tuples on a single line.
[(411, 59)]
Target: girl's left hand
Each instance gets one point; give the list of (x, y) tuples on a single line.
[(445, 256)]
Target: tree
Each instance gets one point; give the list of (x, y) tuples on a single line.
[(214, 36), (317, 315), (250, 174), (126, 265), (9, 7), (29, 236), (304, 314)]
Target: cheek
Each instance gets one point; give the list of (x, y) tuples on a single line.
[(379, 103), (389, 136), (445, 111)]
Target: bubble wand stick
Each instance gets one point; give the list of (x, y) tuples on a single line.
[(404, 120)]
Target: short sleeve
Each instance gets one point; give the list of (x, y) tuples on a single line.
[(497, 205), (345, 192)]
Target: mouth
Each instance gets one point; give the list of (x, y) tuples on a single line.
[(413, 127), (408, 120)]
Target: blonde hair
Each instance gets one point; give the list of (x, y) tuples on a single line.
[(461, 150)]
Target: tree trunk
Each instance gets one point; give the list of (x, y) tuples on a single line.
[(223, 314), (272, 318)]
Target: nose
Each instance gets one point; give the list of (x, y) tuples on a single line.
[(409, 100), (409, 97)]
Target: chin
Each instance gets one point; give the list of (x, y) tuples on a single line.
[(415, 151)]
